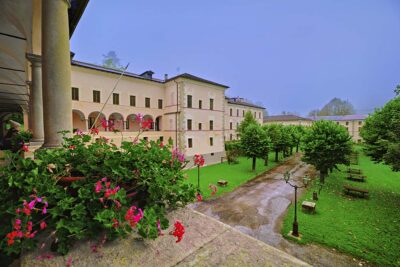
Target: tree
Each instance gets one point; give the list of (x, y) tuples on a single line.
[(335, 107), (254, 143), (112, 61), (275, 133), (325, 145), (397, 90), (247, 121), (381, 134)]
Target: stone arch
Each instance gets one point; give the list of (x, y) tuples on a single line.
[(149, 117), (118, 121), (132, 125), (78, 120), (92, 117)]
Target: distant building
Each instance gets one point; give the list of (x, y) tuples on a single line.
[(352, 123), (288, 120), (235, 108)]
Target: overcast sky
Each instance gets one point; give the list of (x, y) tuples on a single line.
[(290, 55)]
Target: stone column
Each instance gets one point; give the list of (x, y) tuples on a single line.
[(36, 99), (56, 64)]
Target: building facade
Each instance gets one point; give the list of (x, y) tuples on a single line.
[(288, 120), (352, 123), (193, 112), (235, 108)]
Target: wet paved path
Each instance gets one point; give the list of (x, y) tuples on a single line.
[(257, 208)]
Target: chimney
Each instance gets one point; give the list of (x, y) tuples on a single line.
[(165, 77), (147, 74)]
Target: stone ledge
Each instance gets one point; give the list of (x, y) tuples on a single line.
[(207, 242)]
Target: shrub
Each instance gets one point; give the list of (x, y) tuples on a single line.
[(120, 190)]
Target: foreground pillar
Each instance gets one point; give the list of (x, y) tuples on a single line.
[(36, 99), (56, 65)]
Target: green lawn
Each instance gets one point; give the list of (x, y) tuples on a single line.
[(366, 228), (235, 174)]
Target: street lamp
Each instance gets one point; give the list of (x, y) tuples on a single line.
[(286, 176)]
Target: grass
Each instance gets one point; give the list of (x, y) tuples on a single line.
[(235, 174), (367, 228)]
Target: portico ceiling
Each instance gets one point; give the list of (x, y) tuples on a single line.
[(15, 42)]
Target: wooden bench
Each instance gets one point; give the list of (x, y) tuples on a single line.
[(222, 183), (354, 171), (309, 206), (351, 190), (356, 177)]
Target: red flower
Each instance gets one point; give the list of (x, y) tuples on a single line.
[(161, 144), (133, 218), (94, 131), (198, 160), (72, 147), (179, 231), (199, 197), (115, 223), (147, 124), (25, 148), (43, 225)]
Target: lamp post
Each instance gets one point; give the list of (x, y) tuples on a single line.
[(286, 176)]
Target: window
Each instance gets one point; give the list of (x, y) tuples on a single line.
[(132, 100), (161, 138), (127, 124), (230, 137), (189, 101), (211, 125), (237, 125), (259, 115), (255, 116), (360, 123), (237, 113), (96, 96), (212, 154), (211, 141), (200, 104), (199, 126), (337, 122), (230, 112), (347, 123), (75, 93), (243, 113), (160, 103), (145, 138), (211, 103), (230, 125), (115, 99), (190, 142), (147, 102), (189, 125)]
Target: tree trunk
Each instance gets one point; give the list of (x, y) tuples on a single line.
[(322, 175), (266, 160), (276, 155), (297, 148), (254, 164), (291, 150)]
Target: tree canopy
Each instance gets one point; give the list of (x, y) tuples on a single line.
[(248, 120), (111, 60), (325, 145), (336, 106), (381, 134), (254, 143)]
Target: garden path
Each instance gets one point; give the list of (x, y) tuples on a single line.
[(258, 207)]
